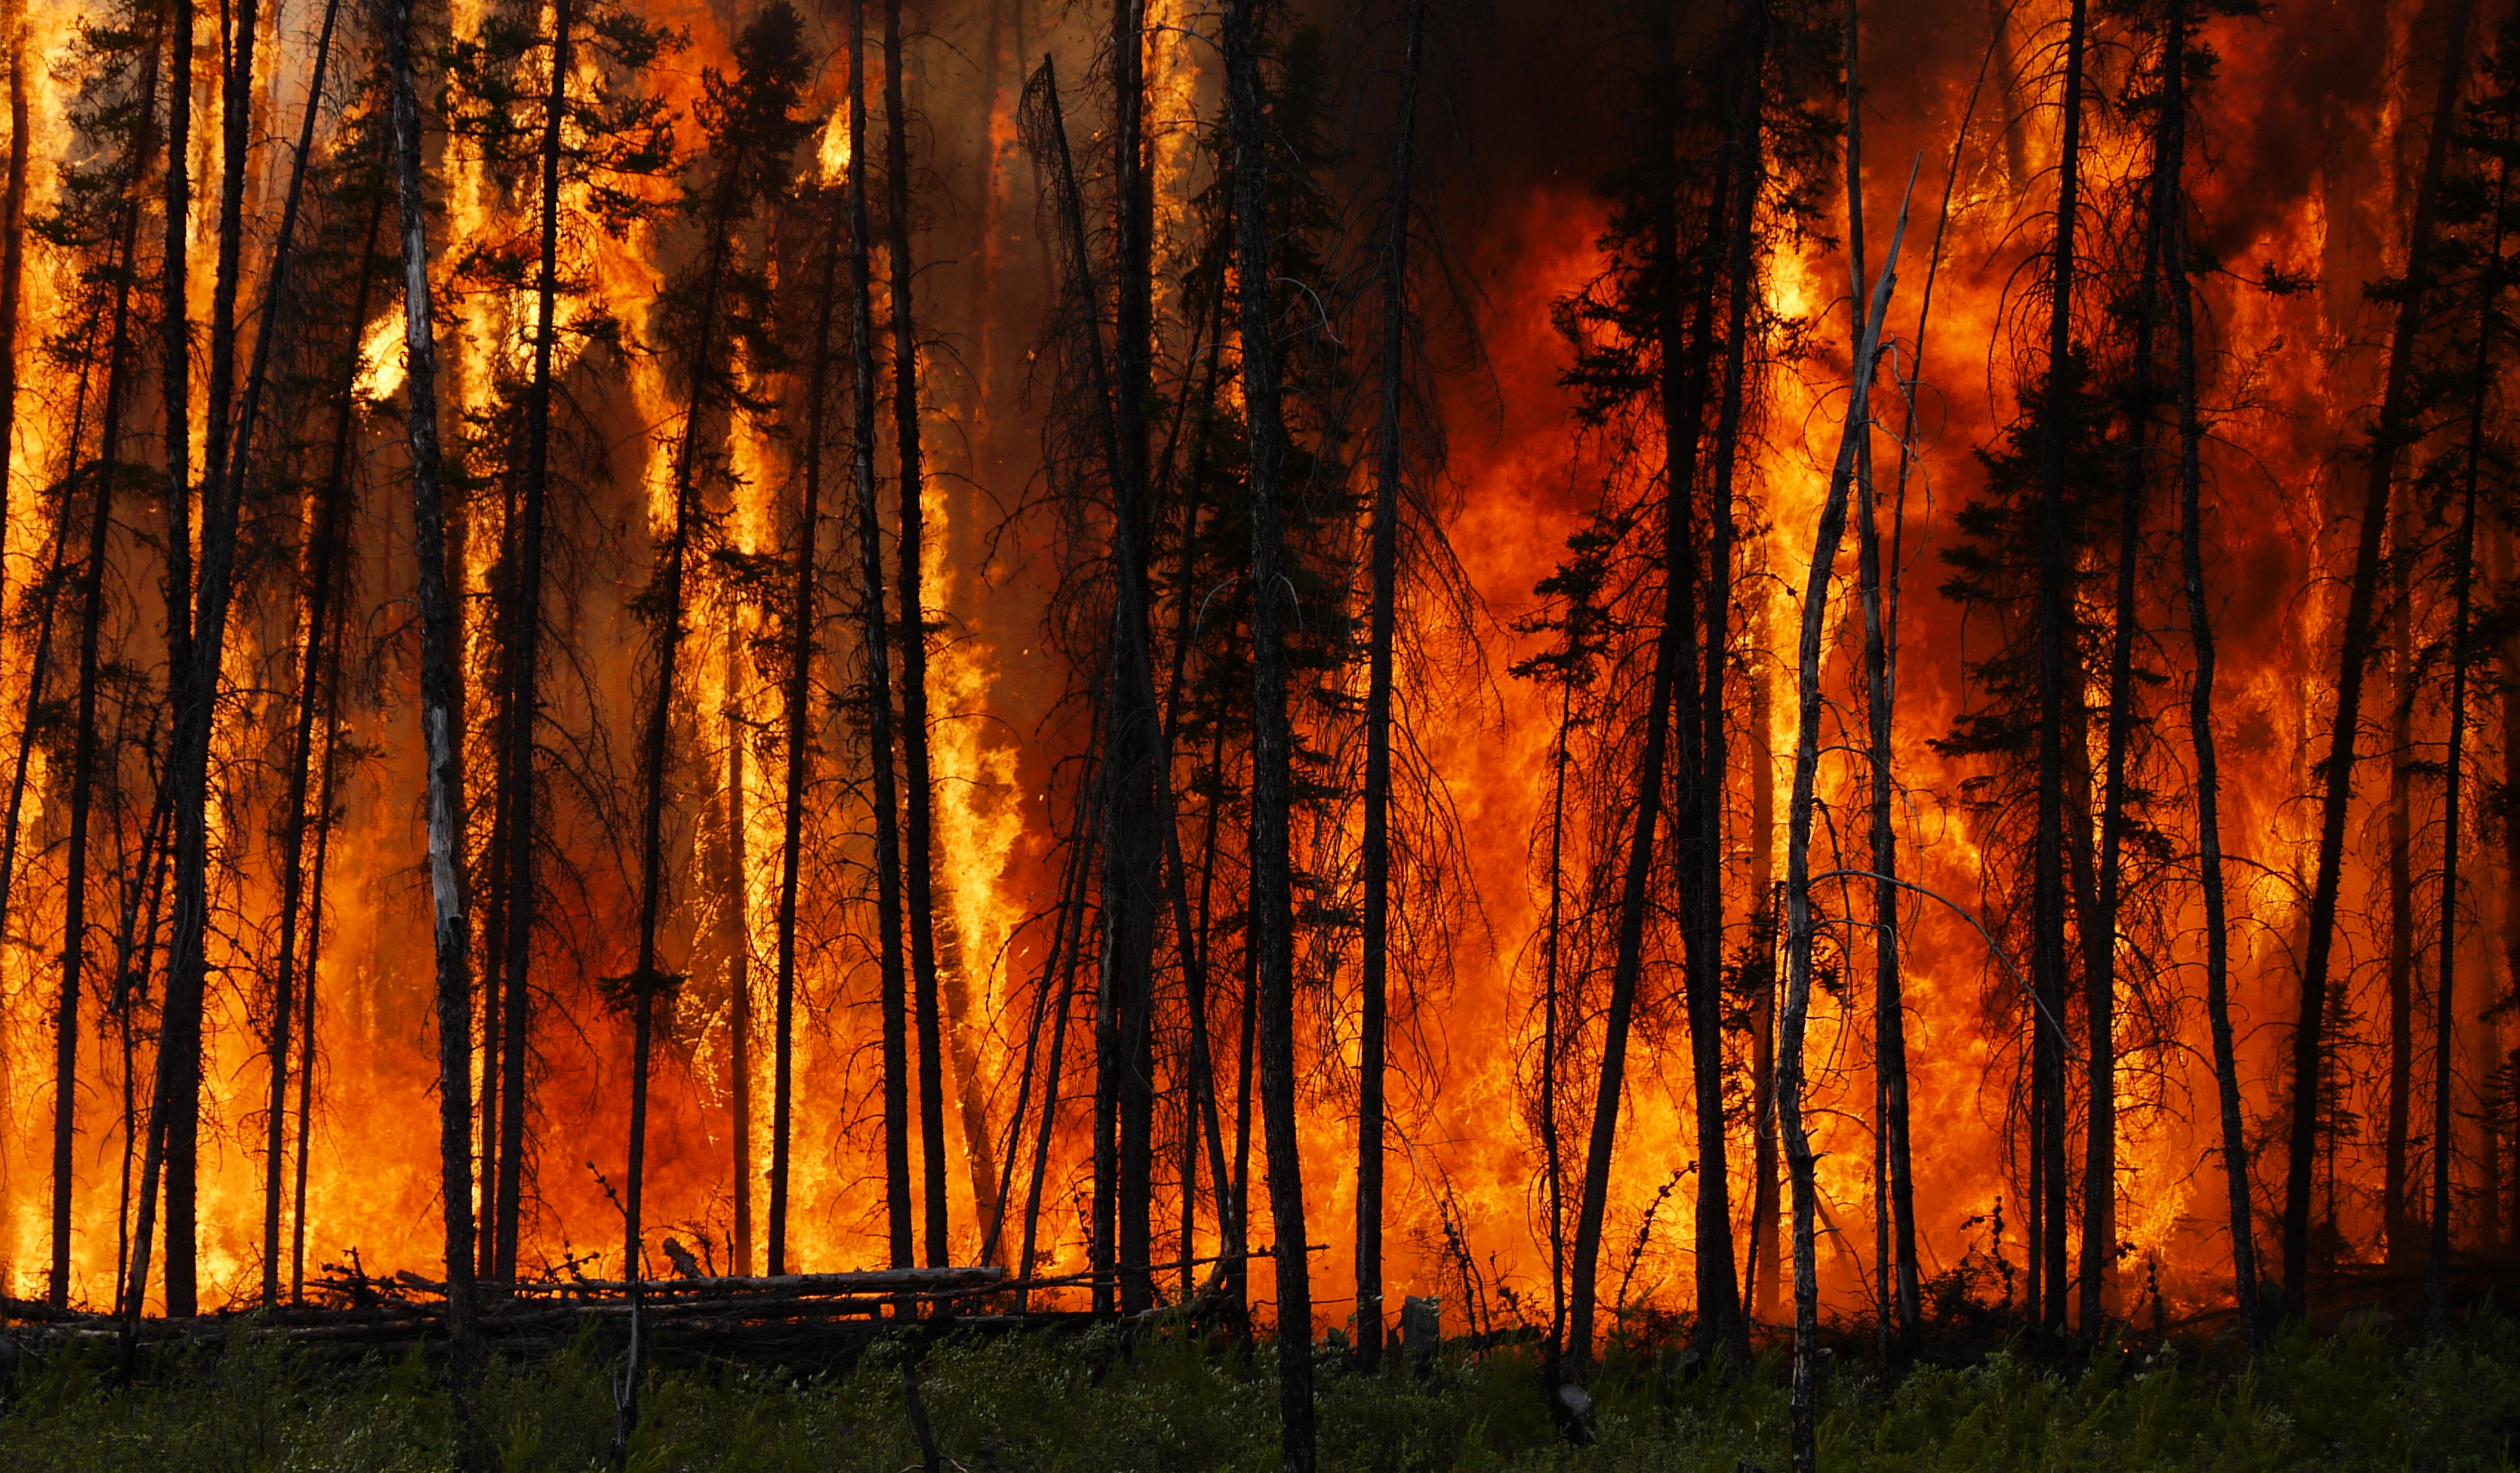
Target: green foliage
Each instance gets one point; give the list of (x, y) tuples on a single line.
[(2353, 1399)]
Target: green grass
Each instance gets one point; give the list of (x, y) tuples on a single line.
[(2353, 1399)]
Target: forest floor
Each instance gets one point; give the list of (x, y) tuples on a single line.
[(2363, 1393)]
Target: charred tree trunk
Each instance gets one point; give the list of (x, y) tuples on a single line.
[(1895, 1231), (1131, 847), (918, 819), (2479, 379), (84, 759), (1272, 933), (2389, 437), (1377, 716), (2051, 964), (1704, 771), (174, 1109), (13, 257), (440, 688), (519, 779), (1682, 387), (317, 580), (879, 674), (799, 721), (1794, 1016)]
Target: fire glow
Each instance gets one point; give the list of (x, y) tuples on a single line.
[(1507, 876)]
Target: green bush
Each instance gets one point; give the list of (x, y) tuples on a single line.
[(1094, 1404)]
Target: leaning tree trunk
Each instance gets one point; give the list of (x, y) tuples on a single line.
[(1794, 1016), (2390, 438), (13, 257)]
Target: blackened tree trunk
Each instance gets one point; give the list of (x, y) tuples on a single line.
[(879, 676), (13, 253), (1794, 1016), (517, 780), (799, 723), (83, 758), (918, 819), (1271, 929), (1377, 716), (1131, 846), (1895, 1228), (316, 583), (2489, 285), (2389, 437), (1704, 769), (1681, 382), (174, 1110), (2050, 964), (440, 687)]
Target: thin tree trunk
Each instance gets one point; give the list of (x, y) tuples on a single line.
[(518, 781), (13, 261), (1720, 1322), (1272, 930), (1764, 1250), (1377, 716), (2396, 1234), (1133, 846), (84, 759), (736, 934), (879, 675), (2049, 959), (918, 824), (316, 579), (1795, 1017), (800, 719), (175, 1099), (440, 683), (236, 116), (1683, 402), (2454, 771), (2389, 441), (314, 956)]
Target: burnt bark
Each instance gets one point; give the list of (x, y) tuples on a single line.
[(918, 819), (1378, 715), (1272, 930)]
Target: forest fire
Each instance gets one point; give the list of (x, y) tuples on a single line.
[(736, 624)]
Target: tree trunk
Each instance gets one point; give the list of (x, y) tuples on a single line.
[(1272, 930), (1682, 383), (918, 824), (2051, 966), (1795, 1017), (440, 683), (1377, 717), (2389, 437), (84, 759), (174, 1107), (316, 580), (1701, 821), (800, 720), (736, 940), (13, 257), (2454, 835), (518, 781), (879, 675)]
